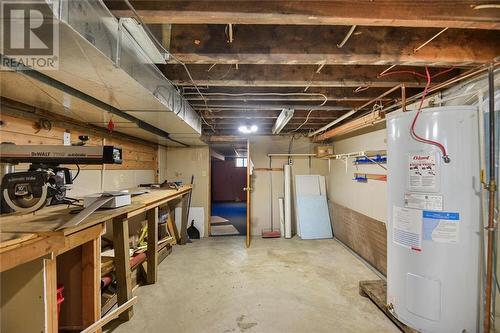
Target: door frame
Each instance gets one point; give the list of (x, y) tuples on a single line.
[(248, 237)]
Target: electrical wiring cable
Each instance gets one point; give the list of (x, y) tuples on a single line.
[(77, 173), (428, 78), (309, 113), (445, 156)]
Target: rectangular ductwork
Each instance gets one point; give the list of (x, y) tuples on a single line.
[(99, 57)]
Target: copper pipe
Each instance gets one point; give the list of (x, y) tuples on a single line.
[(491, 205), (403, 97)]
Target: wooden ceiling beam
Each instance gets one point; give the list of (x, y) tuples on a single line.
[(295, 76), (316, 45), (270, 114), (405, 13), (333, 93)]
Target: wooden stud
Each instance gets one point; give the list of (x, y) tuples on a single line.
[(91, 277), (185, 216), (152, 252), (50, 271), (122, 264)]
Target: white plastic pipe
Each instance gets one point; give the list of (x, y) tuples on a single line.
[(281, 206), (288, 200)]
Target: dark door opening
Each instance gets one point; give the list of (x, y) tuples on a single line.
[(228, 197)]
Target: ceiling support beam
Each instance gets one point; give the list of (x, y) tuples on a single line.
[(278, 76), (315, 45), (436, 14)]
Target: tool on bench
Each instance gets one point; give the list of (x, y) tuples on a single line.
[(46, 182), (165, 184)]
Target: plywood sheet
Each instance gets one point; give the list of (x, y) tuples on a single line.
[(22, 298), (364, 235), (313, 217)]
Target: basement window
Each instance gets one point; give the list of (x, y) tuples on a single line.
[(241, 162)]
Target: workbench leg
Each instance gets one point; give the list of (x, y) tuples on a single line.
[(184, 223), (152, 253), (122, 264), (91, 278), (50, 269), (172, 228)]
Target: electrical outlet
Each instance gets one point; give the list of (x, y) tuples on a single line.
[(67, 138)]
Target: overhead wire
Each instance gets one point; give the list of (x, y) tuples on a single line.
[(309, 113), (417, 137)]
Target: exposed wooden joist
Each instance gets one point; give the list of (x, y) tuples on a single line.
[(286, 44), (294, 76), (331, 92), (407, 13), (283, 99), (230, 105)]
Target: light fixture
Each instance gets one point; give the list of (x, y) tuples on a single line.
[(283, 119), (248, 129), (141, 37)]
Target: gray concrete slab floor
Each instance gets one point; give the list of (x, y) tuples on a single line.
[(277, 285)]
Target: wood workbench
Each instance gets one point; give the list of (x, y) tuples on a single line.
[(31, 250)]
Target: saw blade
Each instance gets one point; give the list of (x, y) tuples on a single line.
[(26, 203)]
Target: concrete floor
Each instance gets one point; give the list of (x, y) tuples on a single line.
[(217, 285)]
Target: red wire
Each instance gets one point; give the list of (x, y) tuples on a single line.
[(413, 124), (402, 72)]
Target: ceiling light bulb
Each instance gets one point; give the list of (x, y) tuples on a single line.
[(248, 129)]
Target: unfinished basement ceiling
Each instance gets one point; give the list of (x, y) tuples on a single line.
[(249, 62)]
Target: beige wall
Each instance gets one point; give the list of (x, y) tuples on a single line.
[(180, 164), (261, 180), (369, 198)]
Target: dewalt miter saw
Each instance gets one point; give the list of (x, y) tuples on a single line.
[(45, 182)]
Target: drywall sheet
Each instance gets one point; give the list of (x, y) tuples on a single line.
[(313, 217), (195, 213), (310, 185), (362, 234)]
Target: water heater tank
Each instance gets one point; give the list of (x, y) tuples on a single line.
[(433, 240)]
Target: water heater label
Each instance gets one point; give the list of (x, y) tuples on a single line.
[(424, 201), (422, 172), (407, 227), (441, 227)]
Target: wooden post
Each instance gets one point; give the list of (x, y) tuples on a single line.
[(185, 213), (91, 275), (152, 254), (51, 293), (122, 264)]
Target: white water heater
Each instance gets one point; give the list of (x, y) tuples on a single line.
[(434, 219)]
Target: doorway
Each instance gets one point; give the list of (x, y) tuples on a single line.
[(228, 182)]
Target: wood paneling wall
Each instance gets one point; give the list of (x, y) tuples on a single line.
[(136, 156), (364, 235)]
